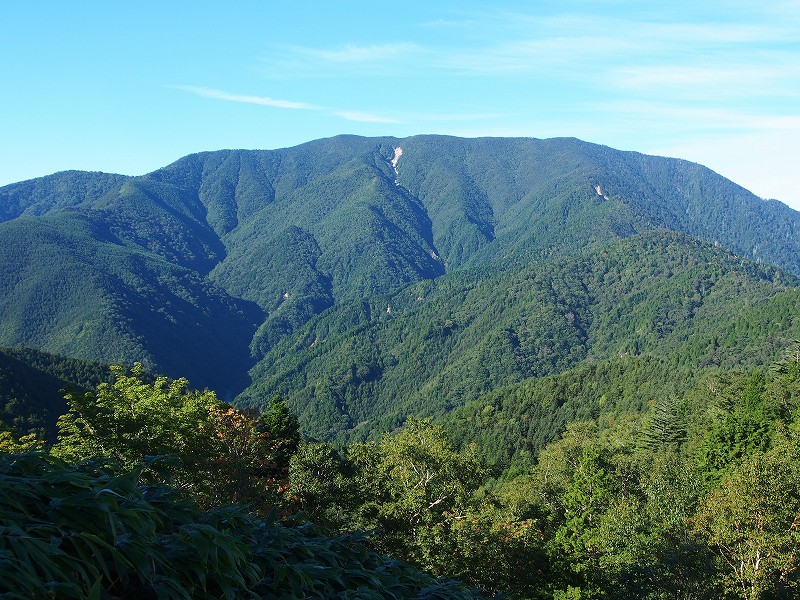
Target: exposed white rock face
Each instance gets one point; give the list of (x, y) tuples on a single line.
[(398, 152)]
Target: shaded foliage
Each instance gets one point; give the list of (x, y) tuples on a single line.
[(93, 531), (31, 384), (217, 453)]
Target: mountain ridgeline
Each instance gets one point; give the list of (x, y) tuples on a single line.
[(367, 279)]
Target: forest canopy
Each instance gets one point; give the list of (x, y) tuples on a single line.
[(696, 497)]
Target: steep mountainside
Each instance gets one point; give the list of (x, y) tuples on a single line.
[(225, 260), (68, 285), (364, 366), (31, 384), (546, 196)]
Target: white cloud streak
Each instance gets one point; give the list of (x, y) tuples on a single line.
[(361, 117), (352, 53), (259, 100), (520, 44), (692, 118), (348, 115)]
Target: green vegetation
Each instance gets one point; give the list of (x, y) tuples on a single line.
[(95, 531), (543, 368), (218, 454), (694, 497), (31, 384), (70, 288), (114, 510), (47, 194), (357, 369), (227, 259)]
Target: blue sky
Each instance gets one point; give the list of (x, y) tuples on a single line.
[(130, 87)]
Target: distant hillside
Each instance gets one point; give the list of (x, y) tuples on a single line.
[(435, 345), (231, 260), (32, 384), (37, 197), (69, 286)]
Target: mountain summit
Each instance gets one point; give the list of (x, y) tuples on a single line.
[(235, 268)]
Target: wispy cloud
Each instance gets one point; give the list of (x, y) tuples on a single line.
[(291, 61), (680, 75), (774, 75), (362, 117), (348, 115), (359, 116), (575, 43), (656, 29), (503, 43), (657, 115), (521, 57), (260, 100), (352, 53)]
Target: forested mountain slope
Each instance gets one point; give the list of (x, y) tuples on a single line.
[(32, 384), (46, 194), (69, 286), (436, 345), (229, 259)]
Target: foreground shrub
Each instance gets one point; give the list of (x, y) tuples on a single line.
[(95, 531)]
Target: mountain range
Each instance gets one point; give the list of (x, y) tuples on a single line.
[(367, 279)]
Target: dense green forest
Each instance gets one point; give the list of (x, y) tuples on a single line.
[(261, 252), (543, 369), (357, 368), (32, 384), (692, 496)]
